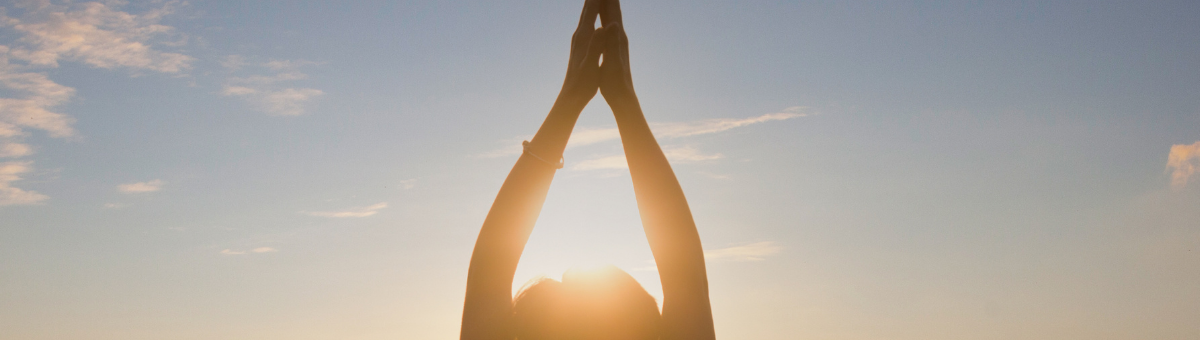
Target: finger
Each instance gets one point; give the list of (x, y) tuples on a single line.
[(579, 44), (616, 53), (623, 43), (611, 12), (583, 33), (587, 20), (595, 48)]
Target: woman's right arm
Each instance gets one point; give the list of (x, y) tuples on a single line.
[(667, 220)]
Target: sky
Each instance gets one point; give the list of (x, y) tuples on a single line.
[(857, 170)]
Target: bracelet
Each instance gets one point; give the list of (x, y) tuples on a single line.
[(525, 148)]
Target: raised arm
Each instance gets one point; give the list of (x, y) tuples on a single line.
[(488, 304), (665, 214)]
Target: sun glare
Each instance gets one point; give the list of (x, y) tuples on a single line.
[(532, 268)]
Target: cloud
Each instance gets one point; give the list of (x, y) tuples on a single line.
[(408, 183), (750, 252), (9, 130), (233, 62), (509, 147), (675, 154), (139, 187), (351, 212), (676, 130), (45, 34), (288, 64), (258, 250), (263, 92), (602, 163), (1181, 162), (587, 136), (114, 205), (271, 79), (713, 176), (14, 149), (287, 102), (688, 154), (238, 91), (747, 253), (94, 34), (10, 172), (35, 96)]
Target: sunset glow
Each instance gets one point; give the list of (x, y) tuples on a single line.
[(855, 170)]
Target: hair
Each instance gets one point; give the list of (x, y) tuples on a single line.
[(605, 303)]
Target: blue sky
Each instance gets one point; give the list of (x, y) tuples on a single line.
[(857, 170)]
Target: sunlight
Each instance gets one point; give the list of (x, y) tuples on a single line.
[(553, 267), (376, 169)]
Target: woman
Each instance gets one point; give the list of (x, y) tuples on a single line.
[(605, 304)]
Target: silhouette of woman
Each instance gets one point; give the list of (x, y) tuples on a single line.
[(606, 303)]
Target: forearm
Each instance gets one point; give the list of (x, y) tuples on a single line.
[(509, 223), (551, 138), (668, 223), (517, 205)]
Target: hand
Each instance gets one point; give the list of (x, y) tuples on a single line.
[(583, 70), (616, 82)]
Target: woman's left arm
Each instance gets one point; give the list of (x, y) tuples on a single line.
[(488, 305)]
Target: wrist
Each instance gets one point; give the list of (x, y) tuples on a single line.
[(570, 102), (529, 149), (623, 103)]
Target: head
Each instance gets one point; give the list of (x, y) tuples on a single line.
[(604, 303)]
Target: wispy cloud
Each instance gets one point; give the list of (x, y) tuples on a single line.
[(677, 130), (9, 149), (286, 102), (140, 187), (11, 172), (601, 163), (713, 176), (92, 33), (351, 212), (508, 147), (750, 252), (31, 108), (265, 91), (258, 250), (233, 62), (288, 64), (1182, 163), (408, 183), (587, 136), (676, 154), (269, 79), (745, 253), (7, 129), (688, 154), (584, 136)]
